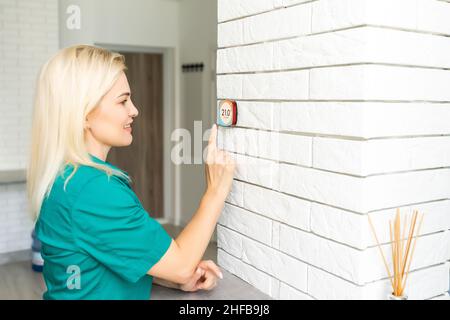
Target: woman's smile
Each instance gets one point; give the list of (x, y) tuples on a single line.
[(128, 128)]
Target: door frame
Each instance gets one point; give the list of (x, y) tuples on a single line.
[(171, 111)]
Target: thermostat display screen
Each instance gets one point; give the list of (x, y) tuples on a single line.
[(227, 113)]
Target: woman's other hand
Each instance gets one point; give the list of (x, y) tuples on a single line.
[(204, 278)]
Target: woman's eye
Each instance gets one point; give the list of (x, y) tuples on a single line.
[(124, 102)]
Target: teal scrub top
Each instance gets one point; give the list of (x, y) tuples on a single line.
[(98, 242)]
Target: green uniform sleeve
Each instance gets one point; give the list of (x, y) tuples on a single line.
[(110, 224)]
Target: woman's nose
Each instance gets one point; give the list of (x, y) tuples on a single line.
[(133, 111)]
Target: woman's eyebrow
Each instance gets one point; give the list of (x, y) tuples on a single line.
[(124, 94)]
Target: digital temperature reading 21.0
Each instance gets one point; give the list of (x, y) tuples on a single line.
[(227, 113)]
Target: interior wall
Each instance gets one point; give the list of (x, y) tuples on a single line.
[(198, 44), (137, 22), (28, 37)]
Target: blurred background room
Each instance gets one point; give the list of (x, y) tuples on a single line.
[(170, 49)]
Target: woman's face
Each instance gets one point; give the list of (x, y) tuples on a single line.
[(109, 124)]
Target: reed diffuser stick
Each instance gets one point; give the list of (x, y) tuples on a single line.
[(412, 253), (402, 249), (381, 251), (397, 249), (411, 233)]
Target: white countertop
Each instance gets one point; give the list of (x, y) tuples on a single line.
[(12, 176)]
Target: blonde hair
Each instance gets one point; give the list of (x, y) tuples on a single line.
[(70, 85)]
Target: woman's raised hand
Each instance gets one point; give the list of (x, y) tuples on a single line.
[(219, 168)]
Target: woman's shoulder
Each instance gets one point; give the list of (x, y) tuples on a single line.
[(88, 176), (100, 194)]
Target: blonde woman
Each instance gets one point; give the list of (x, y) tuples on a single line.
[(97, 240)]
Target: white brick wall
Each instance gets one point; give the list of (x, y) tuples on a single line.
[(15, 224), (28, 36), (343, 112)]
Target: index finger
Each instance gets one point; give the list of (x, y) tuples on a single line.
[(213, 137)]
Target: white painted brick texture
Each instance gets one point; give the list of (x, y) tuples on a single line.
[(15, 224), (343, 113), (28, 36)]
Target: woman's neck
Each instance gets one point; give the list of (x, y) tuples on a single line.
[(97, 149)]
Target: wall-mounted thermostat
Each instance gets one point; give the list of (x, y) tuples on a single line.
[(227, 113)]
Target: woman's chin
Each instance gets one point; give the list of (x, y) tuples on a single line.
[(125, 142), (130, 140)]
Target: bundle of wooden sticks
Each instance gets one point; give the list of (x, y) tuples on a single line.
[(402, 250)]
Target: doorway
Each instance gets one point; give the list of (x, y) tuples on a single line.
[(143, 160)]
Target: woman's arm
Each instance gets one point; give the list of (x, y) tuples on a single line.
[(165, 283), (185, 252), (204, 278)]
